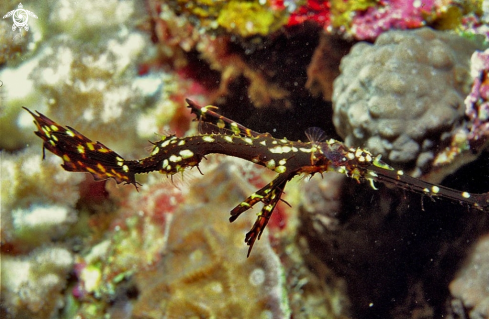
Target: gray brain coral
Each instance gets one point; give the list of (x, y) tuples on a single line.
[(403, 96)]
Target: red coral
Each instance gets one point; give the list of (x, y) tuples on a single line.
[(315, 10)]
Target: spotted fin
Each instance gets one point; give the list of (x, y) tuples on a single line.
[(269, 195), (217, 122), (80, 154)]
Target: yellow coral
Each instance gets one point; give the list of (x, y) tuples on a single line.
[(342, 11), (250, 18)]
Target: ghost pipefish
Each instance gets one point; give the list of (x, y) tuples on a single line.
[(288, 159)]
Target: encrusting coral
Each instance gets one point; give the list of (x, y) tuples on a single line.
[(477, 102), (198, 272), (403, 97), (97, 83), (86, 69), (243, 18), (192, 260), (38, 199)]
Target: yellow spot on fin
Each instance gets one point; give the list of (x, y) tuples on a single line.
[(377, 162)]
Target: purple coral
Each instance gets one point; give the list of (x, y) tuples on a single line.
[(477, 102), (393, 14)]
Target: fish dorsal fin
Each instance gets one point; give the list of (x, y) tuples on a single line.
[(316, 135), (212, 122)]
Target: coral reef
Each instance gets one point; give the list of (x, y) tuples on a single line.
[(38, 199), (367, 19), (193, 262), (403, 97), (248, 18), (266, 71), (198, 272), (32, 285), (105, 75), (477, 102), (120, 74), (98, 75), (342, 13), (468, 18), (136, 235), (388, 15), (472, 138), (15, 45), (86, 20), (243, 18), (315, 11), (11, 47), (98, 81)]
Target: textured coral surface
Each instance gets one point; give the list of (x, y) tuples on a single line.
[(119, 71), (32, 285), (403, 97), (204, 271)]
